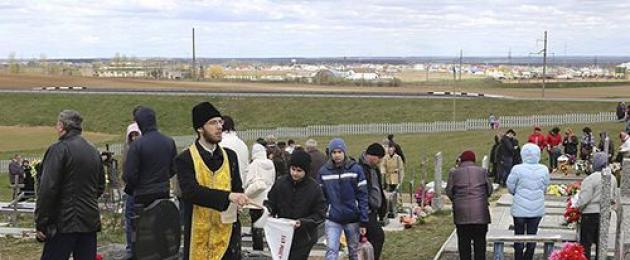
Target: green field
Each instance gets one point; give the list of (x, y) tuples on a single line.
[(111, 113)]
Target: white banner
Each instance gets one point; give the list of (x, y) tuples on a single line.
[(279, 235)]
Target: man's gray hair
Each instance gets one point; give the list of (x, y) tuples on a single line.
[(310, 144), (70, 119)]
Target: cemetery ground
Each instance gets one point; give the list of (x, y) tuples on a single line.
[(420, 242), (106, 117)]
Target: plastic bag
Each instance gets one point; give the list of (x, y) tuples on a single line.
[(365, 250)]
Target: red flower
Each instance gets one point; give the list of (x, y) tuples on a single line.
[(570, 251), (571, 214)]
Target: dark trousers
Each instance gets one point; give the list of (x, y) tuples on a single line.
[(257, 233), (504, 169), (520, 226), (553, 158), (129, 213), (475, 233), (589, 233), (82, 246), (375, 234)]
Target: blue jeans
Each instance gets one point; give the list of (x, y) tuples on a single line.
[(333, 234), (520, 226), (128, 225)]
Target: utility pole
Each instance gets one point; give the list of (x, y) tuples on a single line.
[(461, 58), (194, 63), (544, 65)]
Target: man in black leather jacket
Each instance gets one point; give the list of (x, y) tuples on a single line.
[(67, 215)]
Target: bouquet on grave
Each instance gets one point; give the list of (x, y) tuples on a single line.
[(557, 190), (428, 196), (569, 251), (571, 214)]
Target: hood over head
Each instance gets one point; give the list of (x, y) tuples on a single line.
[(145, 117), (259, 152), (530, 153)]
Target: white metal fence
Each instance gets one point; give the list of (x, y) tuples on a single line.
[(399, 128), (427, 127)]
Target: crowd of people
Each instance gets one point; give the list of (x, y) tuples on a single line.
[(217, 177), (505, 153), (519, 169), (213, 180)]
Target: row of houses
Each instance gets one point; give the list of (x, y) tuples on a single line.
[(357, 72)]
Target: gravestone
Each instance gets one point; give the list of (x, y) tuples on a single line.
[(622, 246), (604, 218), (604, 206), (437, 198)]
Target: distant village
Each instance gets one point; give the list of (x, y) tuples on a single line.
[(358, 73)]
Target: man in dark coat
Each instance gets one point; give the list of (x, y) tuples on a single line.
[(377, 204), (468, 188), (210, 182), (298, 196), (149, 163), (148, 167), (318, 159), (16, 171), (67, 215), (506, 157)]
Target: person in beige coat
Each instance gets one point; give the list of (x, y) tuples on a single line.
[(393, 168)]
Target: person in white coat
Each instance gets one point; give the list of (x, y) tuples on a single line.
[(261, 175), (231, 140)]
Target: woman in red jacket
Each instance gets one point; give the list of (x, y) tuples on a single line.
[(538, 138), (554, 140)]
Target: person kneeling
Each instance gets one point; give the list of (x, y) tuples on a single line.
[(299, 197)]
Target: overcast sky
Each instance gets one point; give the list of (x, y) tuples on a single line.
[(267, 28)]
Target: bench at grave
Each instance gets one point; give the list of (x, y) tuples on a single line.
[(499, 237)]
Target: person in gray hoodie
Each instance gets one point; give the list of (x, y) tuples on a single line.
[(589, 201), (528, 182)]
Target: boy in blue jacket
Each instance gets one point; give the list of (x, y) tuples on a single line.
[(345, 189)]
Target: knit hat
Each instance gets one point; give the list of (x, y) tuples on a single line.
[(203, 112), (375, 149), (599, 161), (467, 156), (300, 159), (338, 144)]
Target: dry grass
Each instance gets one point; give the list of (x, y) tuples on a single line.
[(17, 138)]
